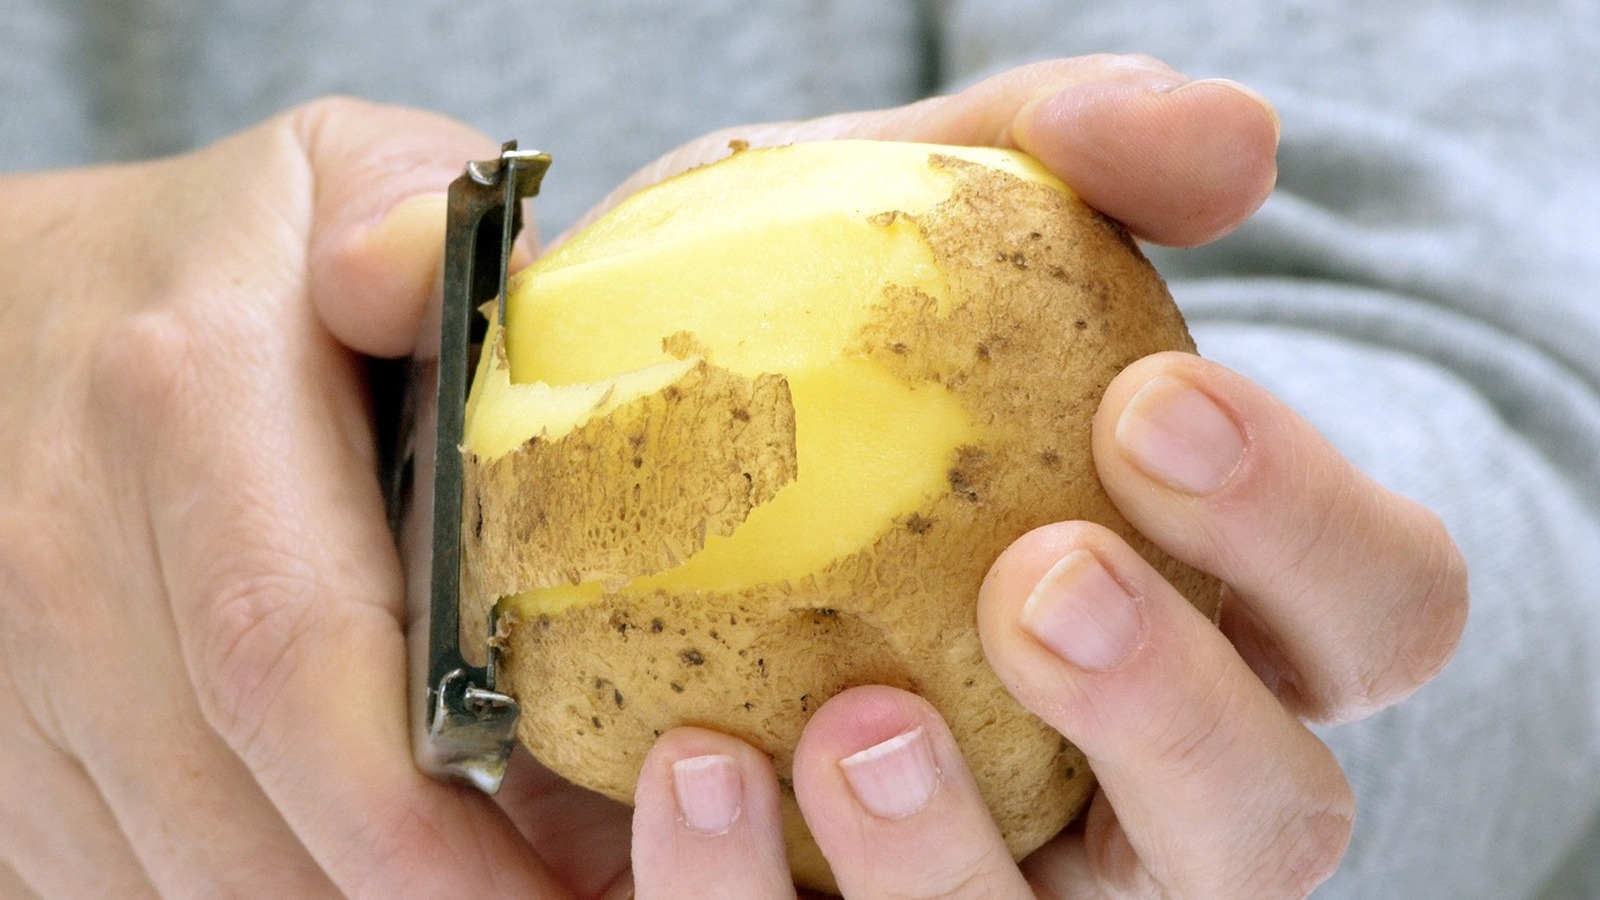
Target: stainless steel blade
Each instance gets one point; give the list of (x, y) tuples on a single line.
[(462, 728)]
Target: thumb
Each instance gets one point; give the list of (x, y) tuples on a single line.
[(1179, 162), (380, 175)]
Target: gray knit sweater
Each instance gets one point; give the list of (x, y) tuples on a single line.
[(1422, 286)]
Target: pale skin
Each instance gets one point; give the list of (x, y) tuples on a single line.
[(202, 667)]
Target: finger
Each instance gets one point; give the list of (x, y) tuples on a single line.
[(284, 584), (196, 818), (375, 248), (891, 803), (285, 592), (12, 887), (58, 835), (1347, 595), (198, 822), (707, 821), (1217, 789), (1179, 162), (285, 588), (76, 848), (582, 836), (142, 772)]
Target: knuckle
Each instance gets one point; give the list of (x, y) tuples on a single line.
[(1428, 614), (1385, 556), (256, 621), (1310, 534), (1301, 846), (354, 148), (1309, 850), (140, 374), (309, 120), (1441, 606), (1201, 730), (961, 876)]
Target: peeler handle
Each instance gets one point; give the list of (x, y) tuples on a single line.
[(462, 728)]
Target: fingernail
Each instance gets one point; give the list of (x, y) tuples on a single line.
[(710, 792), (895, 779), (1083, 614), (1180, 436)]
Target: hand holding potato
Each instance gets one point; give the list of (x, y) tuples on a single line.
[(203, 679), (1344, 598), (1211, 785)]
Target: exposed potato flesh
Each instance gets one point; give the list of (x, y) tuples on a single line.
[(945, 321), (644, 479)]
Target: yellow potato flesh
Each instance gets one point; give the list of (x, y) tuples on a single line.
[(589, 322), (551, 410)]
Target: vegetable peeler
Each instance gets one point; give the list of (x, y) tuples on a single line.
[(462, 728)]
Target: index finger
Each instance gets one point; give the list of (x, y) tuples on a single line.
[(1348, 596), (1217, 789)]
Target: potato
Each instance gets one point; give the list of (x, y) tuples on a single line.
[(756, 436)]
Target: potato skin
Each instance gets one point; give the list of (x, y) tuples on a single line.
[(703, 452), (1048, 301)]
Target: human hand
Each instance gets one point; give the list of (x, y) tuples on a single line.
[(1344, 597), (202, 665)]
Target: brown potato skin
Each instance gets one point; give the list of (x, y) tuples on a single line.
[(701, 453), (1049, 301)]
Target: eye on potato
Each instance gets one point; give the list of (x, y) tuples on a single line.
[(756, 436)]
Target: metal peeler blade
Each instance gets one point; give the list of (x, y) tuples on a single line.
[(462, 728)]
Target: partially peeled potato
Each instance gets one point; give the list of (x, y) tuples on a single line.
[(755, 437)]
